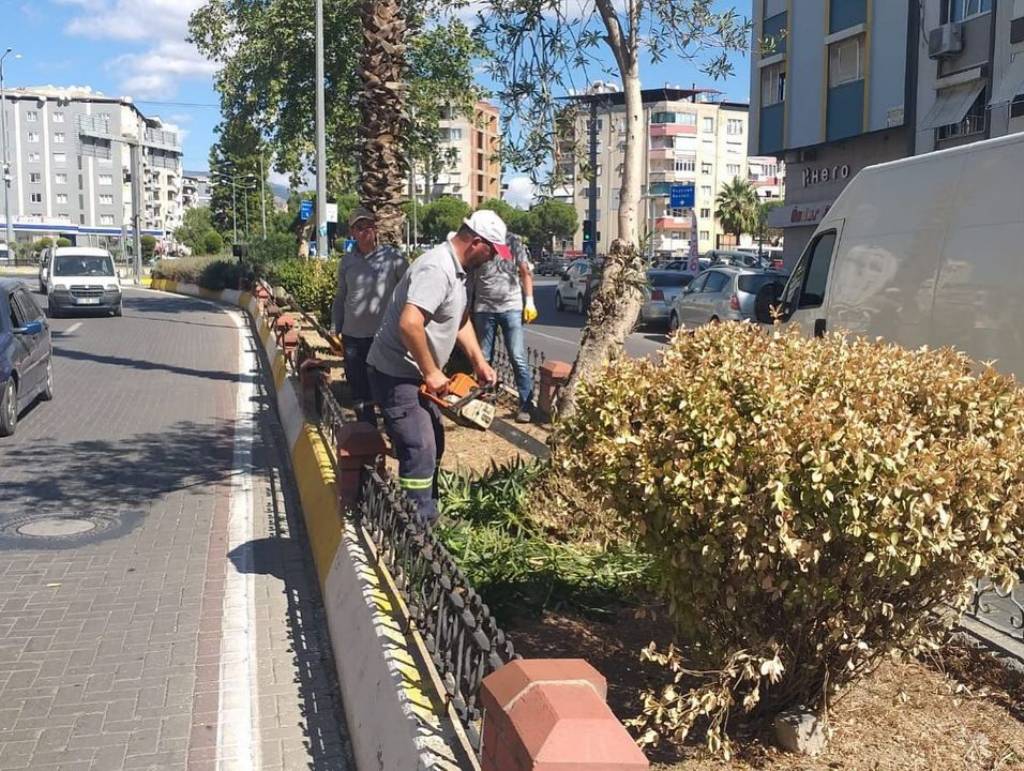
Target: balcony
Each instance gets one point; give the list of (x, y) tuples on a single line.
[(661, 153), (672, 223), (672, 129), (671, 175)]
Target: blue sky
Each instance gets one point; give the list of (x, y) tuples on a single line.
[(137, 48)]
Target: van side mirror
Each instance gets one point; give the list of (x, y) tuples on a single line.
[(768, 302), (32, 328)]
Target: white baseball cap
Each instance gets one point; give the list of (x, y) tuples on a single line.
[(490, 227)]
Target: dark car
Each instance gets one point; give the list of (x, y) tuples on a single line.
[(26, 367)]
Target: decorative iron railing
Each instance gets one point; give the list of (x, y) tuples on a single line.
[(463, 638), (506, 372), (1001, 611)]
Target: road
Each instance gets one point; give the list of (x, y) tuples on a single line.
[(557, 334), (157, 606)]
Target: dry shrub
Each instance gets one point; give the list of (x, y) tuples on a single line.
[(810, 504)]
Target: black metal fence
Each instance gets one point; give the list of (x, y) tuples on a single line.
[(1002, 611), (506, 372), (463, 638)]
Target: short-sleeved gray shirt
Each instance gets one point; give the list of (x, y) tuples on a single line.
[(365, 284), (435, 283), (496, 286)]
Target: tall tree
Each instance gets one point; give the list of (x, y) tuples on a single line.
[(539, 46), (737, 208), (553, 219)]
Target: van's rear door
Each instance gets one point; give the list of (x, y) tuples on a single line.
[(806, 293)]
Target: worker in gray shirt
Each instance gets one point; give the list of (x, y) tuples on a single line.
[(427, 316), (367, 276)]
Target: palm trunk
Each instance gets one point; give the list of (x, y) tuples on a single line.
[(616, 305), (383, 170)]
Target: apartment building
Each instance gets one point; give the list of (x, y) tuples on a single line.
[(689, 139), (470, 167), (195, 190), (843, 84), (69, 175)]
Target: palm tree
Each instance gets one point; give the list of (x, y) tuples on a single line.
[(382, 164), (737, 208)]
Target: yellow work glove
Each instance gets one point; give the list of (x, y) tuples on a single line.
[(530, 311)]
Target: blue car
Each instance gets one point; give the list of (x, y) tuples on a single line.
[(26, 354)]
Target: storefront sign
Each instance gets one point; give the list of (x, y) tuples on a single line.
[(826, 174), (799, 215)]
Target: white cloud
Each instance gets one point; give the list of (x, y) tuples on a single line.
[(521, 192), (161, 24)]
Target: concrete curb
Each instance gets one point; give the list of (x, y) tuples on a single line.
[(395, 716)]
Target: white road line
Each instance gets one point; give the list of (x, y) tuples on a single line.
[(552, 337), (237, 712), (73, 328)]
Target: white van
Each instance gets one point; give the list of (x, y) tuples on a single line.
[(81, 278), (928, 250)]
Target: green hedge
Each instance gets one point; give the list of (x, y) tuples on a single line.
[(311, 283), (213, 273)]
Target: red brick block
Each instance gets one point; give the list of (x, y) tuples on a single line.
[(551, 715), (553, 375), (359, 445)]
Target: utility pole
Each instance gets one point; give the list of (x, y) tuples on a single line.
[(592, 191), (263, 197), (321, 139), (135, 154), (6, 162)]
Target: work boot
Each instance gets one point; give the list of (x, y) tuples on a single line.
[(524, 416)]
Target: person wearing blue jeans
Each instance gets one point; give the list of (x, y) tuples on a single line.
[(498, 291)]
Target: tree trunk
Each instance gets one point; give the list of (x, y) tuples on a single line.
[(383, 169), (616, 305)]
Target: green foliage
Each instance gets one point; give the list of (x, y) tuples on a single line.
[(762, 231), (197, 232), (311, 283), (212, 243), (42, 243), (63, 241), (221, 274), (208, 272), (552, 219), (276, 247), (810, 503), (441, 217), (738, 207), (513, 562), (148, 248)]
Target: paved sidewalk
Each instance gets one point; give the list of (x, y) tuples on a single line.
[(184, 629)]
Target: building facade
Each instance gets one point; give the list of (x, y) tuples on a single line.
[(195, 190), (843, 84), (470, 167), (68, 178), (688, 140)]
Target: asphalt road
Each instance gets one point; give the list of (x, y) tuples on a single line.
[(147, 576), (557, 334)]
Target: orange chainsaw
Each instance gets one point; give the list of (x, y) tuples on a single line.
[(466, 401)]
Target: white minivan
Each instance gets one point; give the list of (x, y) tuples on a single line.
[(928, 250), (81, 278)]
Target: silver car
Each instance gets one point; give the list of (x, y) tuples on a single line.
[(663, 287), (722, 293)]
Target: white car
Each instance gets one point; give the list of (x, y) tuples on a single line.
[(81, 279)]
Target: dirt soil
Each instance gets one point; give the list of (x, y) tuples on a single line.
[(961, 712), (469, 450)]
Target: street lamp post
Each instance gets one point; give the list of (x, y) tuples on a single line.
[(321, 139), (9, 226), (263, 198)]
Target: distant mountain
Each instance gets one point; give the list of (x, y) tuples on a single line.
[(280, 191)]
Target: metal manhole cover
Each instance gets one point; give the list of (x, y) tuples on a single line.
[(59, 530), (56, 526)]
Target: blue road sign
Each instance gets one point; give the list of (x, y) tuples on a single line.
[(682, 196), (305, 210)]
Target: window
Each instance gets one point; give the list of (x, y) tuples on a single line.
[(734, 127), (683, 118), (60, 179), (34, 157), (705, 191), (716, 281), (60, 158), (35, 177), (685, 164), (62, 198), (698, 283), (973, 123), (106, 179), (706, 168), (811, 275), (36, 197), (705, 235), (846, 61), (705, 213), (27, 307), (31, 116), (733, 169), (106, 219), (958, 10), (709, 125), (773, 85), (33, 136), (58, 138), (58, 117)]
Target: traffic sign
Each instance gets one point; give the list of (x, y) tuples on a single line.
[(681, 196), (305, 210), (332, 212)]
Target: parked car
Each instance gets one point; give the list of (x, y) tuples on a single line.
[(722, 293), (922, 251), (26, 366), (664, 286), (81, 278), (577, 285), (551, 266)]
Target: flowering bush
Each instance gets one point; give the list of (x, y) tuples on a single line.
[(810, 503)]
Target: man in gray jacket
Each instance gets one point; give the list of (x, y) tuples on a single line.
[(367, 276)]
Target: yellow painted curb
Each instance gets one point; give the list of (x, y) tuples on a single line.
[(314, 476)]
